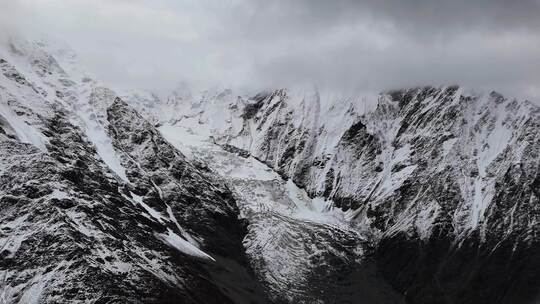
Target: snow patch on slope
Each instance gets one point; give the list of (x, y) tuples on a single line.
[(24, 132), (96, 133), (184, 246)]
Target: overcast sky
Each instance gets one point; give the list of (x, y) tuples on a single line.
[(342, 45)]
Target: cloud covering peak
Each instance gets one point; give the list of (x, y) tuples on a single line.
[(342, 44)]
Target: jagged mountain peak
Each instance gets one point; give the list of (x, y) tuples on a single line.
[(101, 212)]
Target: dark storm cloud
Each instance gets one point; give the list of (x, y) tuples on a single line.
[(340, 44), (461, 15), (384, 44), (426, 18)]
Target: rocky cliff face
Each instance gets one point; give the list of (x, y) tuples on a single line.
[(425, 195), (443, 182), (98, 207)]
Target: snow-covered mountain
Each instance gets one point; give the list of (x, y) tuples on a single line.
[(97, 207), (442, 182), (424, 195)]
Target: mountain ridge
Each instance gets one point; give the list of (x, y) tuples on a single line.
[(411, 137)]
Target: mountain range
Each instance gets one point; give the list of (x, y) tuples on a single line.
[(288, 195)]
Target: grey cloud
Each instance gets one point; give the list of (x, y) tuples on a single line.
[(341, 44), (415, 17)]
